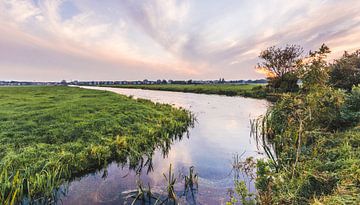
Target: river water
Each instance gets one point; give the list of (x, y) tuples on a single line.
[(221, 131)]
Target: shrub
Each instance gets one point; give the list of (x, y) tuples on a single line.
[(285, 83), (345, 72), (350, 113)]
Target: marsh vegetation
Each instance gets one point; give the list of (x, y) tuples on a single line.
[(311, 136), (50, 134)]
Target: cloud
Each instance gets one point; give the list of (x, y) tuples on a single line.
[(164, 39), (18, 10)]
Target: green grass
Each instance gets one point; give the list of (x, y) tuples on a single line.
[(328, 172), (246, 90), (51, 134), (315, 138)]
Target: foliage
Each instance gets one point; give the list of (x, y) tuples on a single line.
[(282, 65), (247, 169), (350, 113), (328, 171), (264, 181), (315, 160), (280, 61), (246, 90), (315, 71), (312, 140), (289, 121), (242, 190), (345, 72), (287, 83), (50, 134)]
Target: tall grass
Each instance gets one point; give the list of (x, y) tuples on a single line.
[(312, 148), (50, 134)]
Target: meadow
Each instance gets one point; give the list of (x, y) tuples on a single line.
[(245, 90), (49, 135)]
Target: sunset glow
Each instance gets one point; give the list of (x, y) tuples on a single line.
[(163, 39)]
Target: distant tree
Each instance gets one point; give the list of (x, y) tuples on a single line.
[(63, 82), (345, 72), (282, 65)]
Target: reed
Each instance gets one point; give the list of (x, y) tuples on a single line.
[(170, 183), (191, 180), (142, 195)]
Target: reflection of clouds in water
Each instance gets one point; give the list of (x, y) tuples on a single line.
[(178, 157), (231, 124)]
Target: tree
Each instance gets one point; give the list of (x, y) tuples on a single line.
[(282, 65), (345, 72), (315, 69), (63, 82)]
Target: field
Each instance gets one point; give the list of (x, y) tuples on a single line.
[(51, 134), (246, 90)]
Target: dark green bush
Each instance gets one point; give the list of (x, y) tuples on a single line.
[(350, 113), (286, 83), (345, 72)]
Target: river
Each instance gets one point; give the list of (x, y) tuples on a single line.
[(221, 131)]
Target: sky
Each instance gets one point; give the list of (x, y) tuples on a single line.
[(51, 40)]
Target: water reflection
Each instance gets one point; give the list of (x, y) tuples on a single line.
[(222, 129)]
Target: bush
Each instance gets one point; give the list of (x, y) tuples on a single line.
[(345, 72), (350, 113), (286, 83)]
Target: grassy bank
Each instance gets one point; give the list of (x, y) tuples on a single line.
[(311, 136), (315, 137), (50, 134), (245, 90)]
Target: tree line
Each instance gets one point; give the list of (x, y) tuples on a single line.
[(288, 68)]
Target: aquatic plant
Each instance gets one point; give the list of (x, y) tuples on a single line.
[(142, 195), (191, 180), (170, 183), (146, 196)]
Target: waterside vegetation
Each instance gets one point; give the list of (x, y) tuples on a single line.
[(50, 134), (311, 137)]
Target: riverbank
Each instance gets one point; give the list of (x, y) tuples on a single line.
[(245, 90), (50, 134), (315, 137)]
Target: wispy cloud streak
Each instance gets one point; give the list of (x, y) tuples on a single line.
[(56, 39)]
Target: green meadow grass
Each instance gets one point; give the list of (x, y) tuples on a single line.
[(51, 134), (246, 90)]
